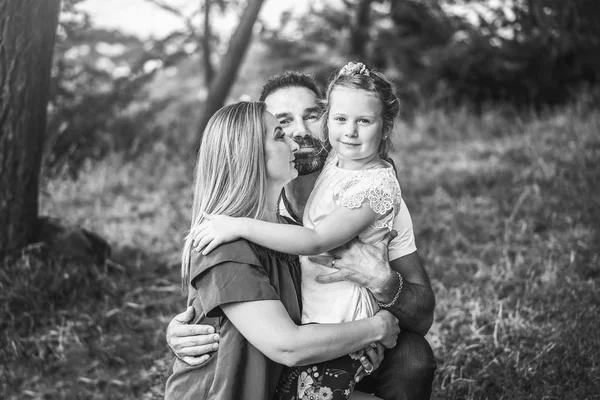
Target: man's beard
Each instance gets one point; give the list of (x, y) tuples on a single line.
[(307, 163)]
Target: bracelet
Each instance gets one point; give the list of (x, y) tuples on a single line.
[(391, 303)]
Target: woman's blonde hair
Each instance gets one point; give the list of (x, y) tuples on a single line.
[(230, 176)]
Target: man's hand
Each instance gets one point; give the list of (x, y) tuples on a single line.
[(360, 263), (370, 361), (368, 266), (191, 343)]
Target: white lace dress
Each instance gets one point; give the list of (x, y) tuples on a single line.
[(335, 187)]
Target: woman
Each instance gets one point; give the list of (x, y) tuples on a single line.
[(252, 298)]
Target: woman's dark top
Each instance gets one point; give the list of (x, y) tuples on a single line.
[(244, 272)]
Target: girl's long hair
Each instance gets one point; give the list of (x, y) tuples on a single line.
[(230, 175)]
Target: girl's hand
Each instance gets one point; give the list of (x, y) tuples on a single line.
[(214, 231), (390, 328)]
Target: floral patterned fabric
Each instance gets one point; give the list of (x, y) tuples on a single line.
[(380, 187), (329, 380)]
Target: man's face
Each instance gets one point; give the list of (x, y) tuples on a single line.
[(297, 112)]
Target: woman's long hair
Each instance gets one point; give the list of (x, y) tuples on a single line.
[(230, 176)]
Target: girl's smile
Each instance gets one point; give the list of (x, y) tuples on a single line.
[(355, 126)]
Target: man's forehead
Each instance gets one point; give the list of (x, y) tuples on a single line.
[(295, 99)]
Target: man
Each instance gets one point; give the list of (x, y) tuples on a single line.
[(407, 370)]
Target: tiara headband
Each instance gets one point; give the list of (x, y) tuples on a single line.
[(353, 68)]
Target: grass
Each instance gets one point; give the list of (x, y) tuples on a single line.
[(508, 229), (504, 209)]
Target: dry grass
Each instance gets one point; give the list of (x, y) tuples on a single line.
[(506, 219), (508, 227)]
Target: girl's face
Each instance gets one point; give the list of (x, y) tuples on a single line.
[(279, 152), (355, 126)]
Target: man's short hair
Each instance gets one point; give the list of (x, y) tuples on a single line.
[(290, 79)]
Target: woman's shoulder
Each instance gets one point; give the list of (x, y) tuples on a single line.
[(239, 251)]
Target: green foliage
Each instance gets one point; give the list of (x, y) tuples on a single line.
[(532, 53), (106, 89), (110, 92), (100, 103), (524, 53)]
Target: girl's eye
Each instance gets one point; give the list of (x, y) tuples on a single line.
[(364, 121), (339, 119)]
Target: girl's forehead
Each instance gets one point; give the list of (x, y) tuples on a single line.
[(354, 98), (339, 91)]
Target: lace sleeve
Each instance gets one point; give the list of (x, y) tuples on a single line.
[(379, 186)]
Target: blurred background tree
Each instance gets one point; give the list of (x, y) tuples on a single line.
[(116, 91)]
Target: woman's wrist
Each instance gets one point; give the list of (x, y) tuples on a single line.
[(380, 328)]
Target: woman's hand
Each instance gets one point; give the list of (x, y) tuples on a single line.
[(390, 328), (214, 231), (370, 361)]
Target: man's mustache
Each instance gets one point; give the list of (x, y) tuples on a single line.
[(308, 142)]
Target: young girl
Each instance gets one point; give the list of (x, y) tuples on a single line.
[(357, 194)]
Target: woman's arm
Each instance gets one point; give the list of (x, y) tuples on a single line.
[(267, 325), (339, 227), (193, 343)]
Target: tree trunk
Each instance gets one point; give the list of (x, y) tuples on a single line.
[(359, 30), (230, 63), (206, 48), (27, 35)]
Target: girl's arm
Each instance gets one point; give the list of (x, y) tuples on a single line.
[(339, 227), (267, 325)]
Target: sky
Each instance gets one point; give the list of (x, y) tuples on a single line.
[(141, 18)]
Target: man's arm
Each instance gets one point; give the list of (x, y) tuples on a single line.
[(367, 265), (415, 305)]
